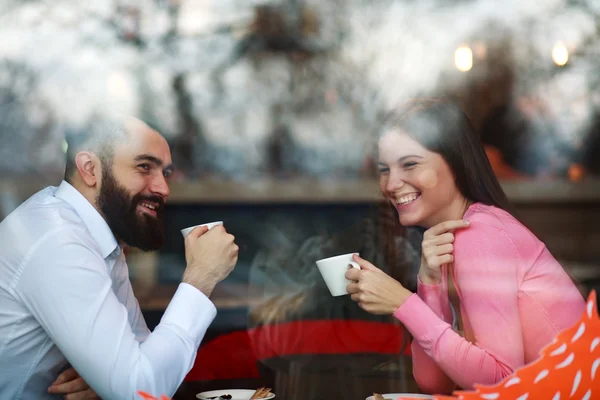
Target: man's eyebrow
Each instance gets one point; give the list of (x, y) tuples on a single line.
[(154, 160)]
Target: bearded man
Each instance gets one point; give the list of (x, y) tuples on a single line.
[(70, 326)]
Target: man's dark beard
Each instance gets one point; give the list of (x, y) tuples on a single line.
[(120, 211)]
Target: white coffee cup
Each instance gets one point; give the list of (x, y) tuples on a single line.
[(186, 231), (333, 270)]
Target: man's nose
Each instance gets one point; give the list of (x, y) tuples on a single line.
[(160, 187)]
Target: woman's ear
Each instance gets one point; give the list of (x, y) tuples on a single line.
[(88, 165)]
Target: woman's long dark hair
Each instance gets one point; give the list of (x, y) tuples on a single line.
[(442, 127)]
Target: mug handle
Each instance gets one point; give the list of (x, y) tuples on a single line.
[(354, 265)]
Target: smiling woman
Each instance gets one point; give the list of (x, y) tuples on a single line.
[(486, 292), (430, 147)]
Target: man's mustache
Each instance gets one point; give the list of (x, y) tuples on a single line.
[(152, 199)]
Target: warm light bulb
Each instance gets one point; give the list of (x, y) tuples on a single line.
[(576, 172), (560, 54), (463, 59)]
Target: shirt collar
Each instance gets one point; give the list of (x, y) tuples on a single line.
[(92, 219)]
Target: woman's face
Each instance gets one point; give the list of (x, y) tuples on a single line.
[(418, 182)]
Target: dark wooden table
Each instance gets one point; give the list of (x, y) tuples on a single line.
[(321, 377)]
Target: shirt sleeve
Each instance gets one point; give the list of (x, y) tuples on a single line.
[(66, 286), (429, 376), (124, 293), (485, 267)]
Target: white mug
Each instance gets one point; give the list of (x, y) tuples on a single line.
[(186, 231), (333, 270)]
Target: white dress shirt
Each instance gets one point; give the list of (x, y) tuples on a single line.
[(65, 298)]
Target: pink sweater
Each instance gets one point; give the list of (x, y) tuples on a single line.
[(515, 298)]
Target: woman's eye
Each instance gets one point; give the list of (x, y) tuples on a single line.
[(409, 165), (383, 170)]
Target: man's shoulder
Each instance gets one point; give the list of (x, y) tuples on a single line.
[(42, 218)]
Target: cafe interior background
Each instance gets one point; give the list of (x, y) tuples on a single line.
[(270, 109)]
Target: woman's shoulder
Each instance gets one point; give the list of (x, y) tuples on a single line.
[(487, 228), (491, 216), (487, 220)]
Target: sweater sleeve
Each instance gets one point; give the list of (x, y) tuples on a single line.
[(429, 376), (485, 266)]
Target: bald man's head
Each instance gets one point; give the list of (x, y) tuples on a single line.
[(122, 166), (100, 135)]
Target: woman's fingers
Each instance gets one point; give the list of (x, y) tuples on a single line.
[(355, 297), (364, 264), (444, 238), (446, 226), (352, 288), (353, 274), (444, 249), (445, 259)]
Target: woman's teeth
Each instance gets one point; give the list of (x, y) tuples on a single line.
[(409, 198)]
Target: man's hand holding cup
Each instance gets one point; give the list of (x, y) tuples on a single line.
[(210, 253)]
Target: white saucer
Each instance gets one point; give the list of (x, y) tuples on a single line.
[(236, 394), (395, 396)]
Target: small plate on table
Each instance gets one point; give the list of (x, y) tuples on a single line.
[(396, 396), (236, 394)]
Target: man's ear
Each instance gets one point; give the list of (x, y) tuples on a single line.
[(88, 165)]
